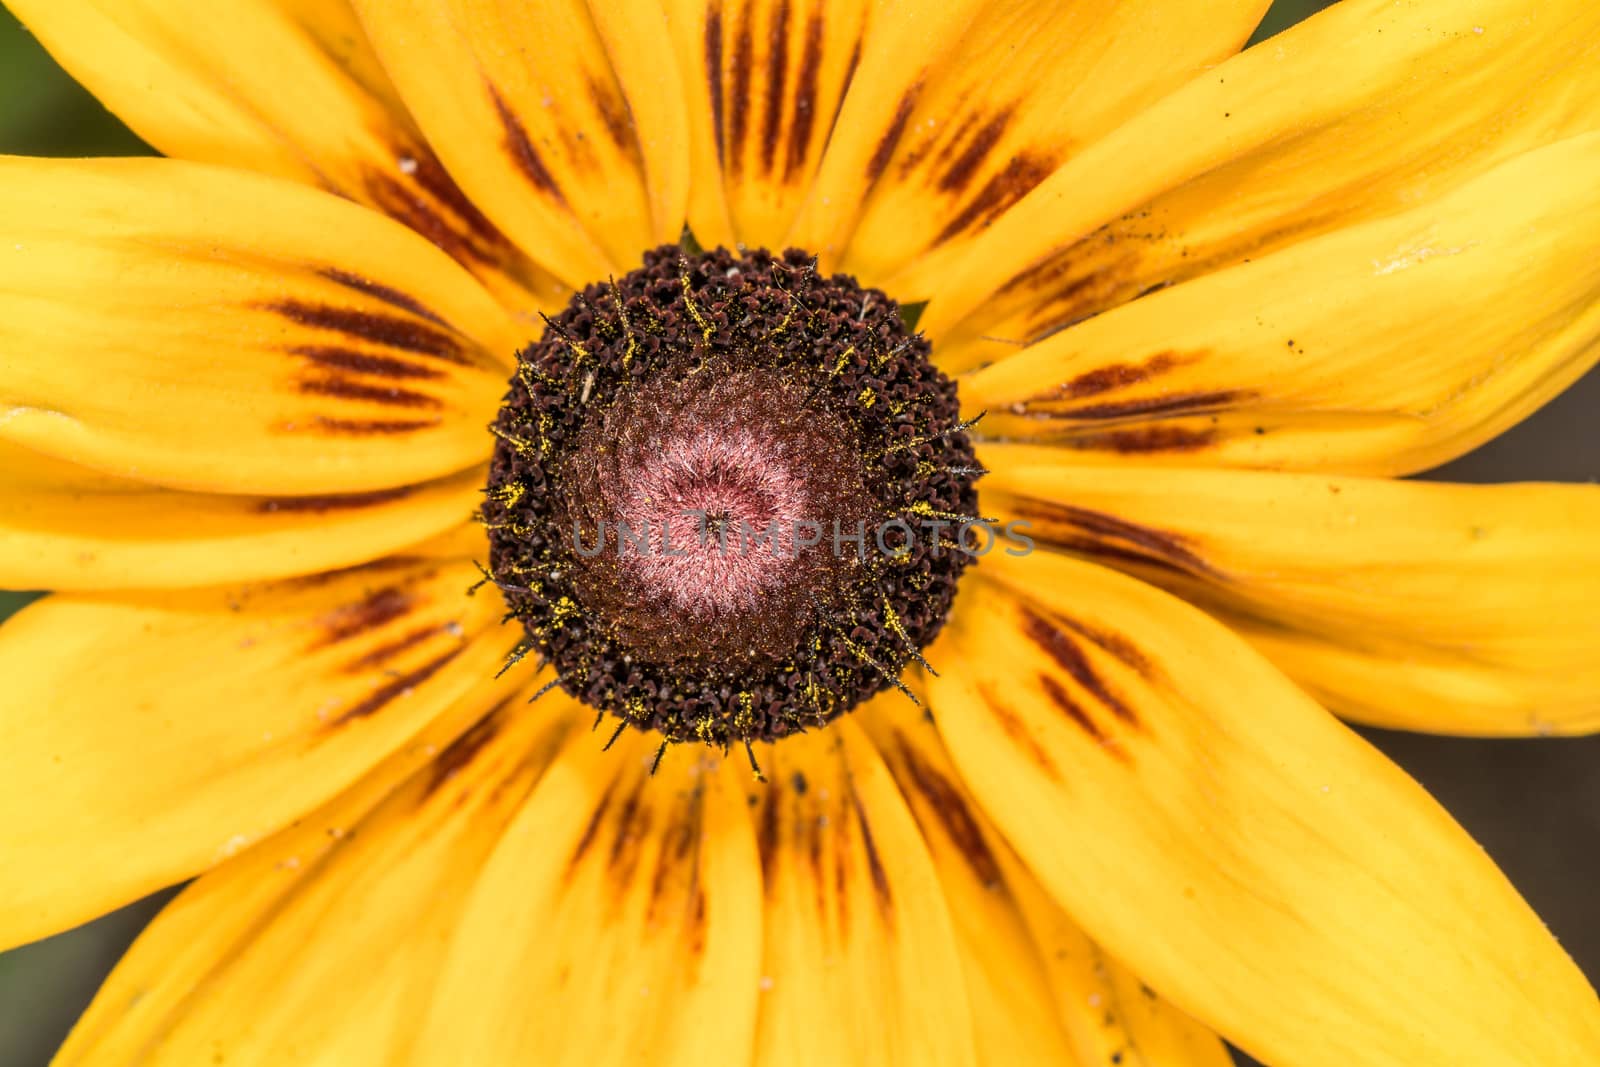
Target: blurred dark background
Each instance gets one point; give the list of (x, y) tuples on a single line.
[(1535, 805)]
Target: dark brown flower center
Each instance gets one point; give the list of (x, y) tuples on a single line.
[(725, 497)]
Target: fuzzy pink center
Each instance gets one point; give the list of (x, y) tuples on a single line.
[(710, 520)]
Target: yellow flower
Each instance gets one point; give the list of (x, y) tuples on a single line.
[(1209, 303)]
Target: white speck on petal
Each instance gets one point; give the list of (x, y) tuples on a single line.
[(1407, 258)]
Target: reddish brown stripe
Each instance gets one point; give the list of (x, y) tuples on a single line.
[(684, 823), (1081, 718), (1145, 439), (1181, 404), (1163, 545), (948, 141), (948, 805), (367, 427), (628, 819), (1065, 651), (357, 362), (739, 115), (1018, 731), (1117, 645), (998, 193), (1062, 699), (713, 45), (777, 83), (633, 828), (389, 331), (1115, 376), (965, 168), (391, 296), (401, 202), (1100, 550), (467, 235), (592, 830), (880, 877), (392, 396), (397, 688), (805, 98), (378, 609), (390, 649), (523, 154), (614, 114), (767, 842), (463, 750), (844, 88), (891, 137), (342, 502)]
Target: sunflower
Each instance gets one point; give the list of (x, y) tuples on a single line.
[(317, 427)]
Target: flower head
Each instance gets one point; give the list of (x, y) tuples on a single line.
[(499, 426)]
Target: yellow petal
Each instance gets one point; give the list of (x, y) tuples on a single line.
[(1367, 109), (322, 943), (564, 120), (1382, 348), (1231, 842), (66, 527), (151, 737), (285, 87), (1450, 608), (617, 922), (949, 133), (1013, 1014), (220, 331), (764, 82), (861, 963), (1041, 991)]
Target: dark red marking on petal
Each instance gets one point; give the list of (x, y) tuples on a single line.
[(1161, 545), (463, 750), (425, 198), (677, 850), (1018, 731), (321, 505), (396, 688), (1180, 404), (1117, 645), (1062, 699), (633, 823), (520, 147), (965, 167), (388, 395), (767, 842), (891, 136), (777, 83), (805, 97), (844, 87), (400, 645), (1114, 376), (376, 610), (713, 49), (615, 115), (368, 427), (592, 830), (1056, 644), (387, 294), (333, 357), (950, 807), (389, 331), (875, 868), (1144, 439), (739, 111), (1012, 183)]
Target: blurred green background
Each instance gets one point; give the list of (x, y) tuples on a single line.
[(1535, 805)]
